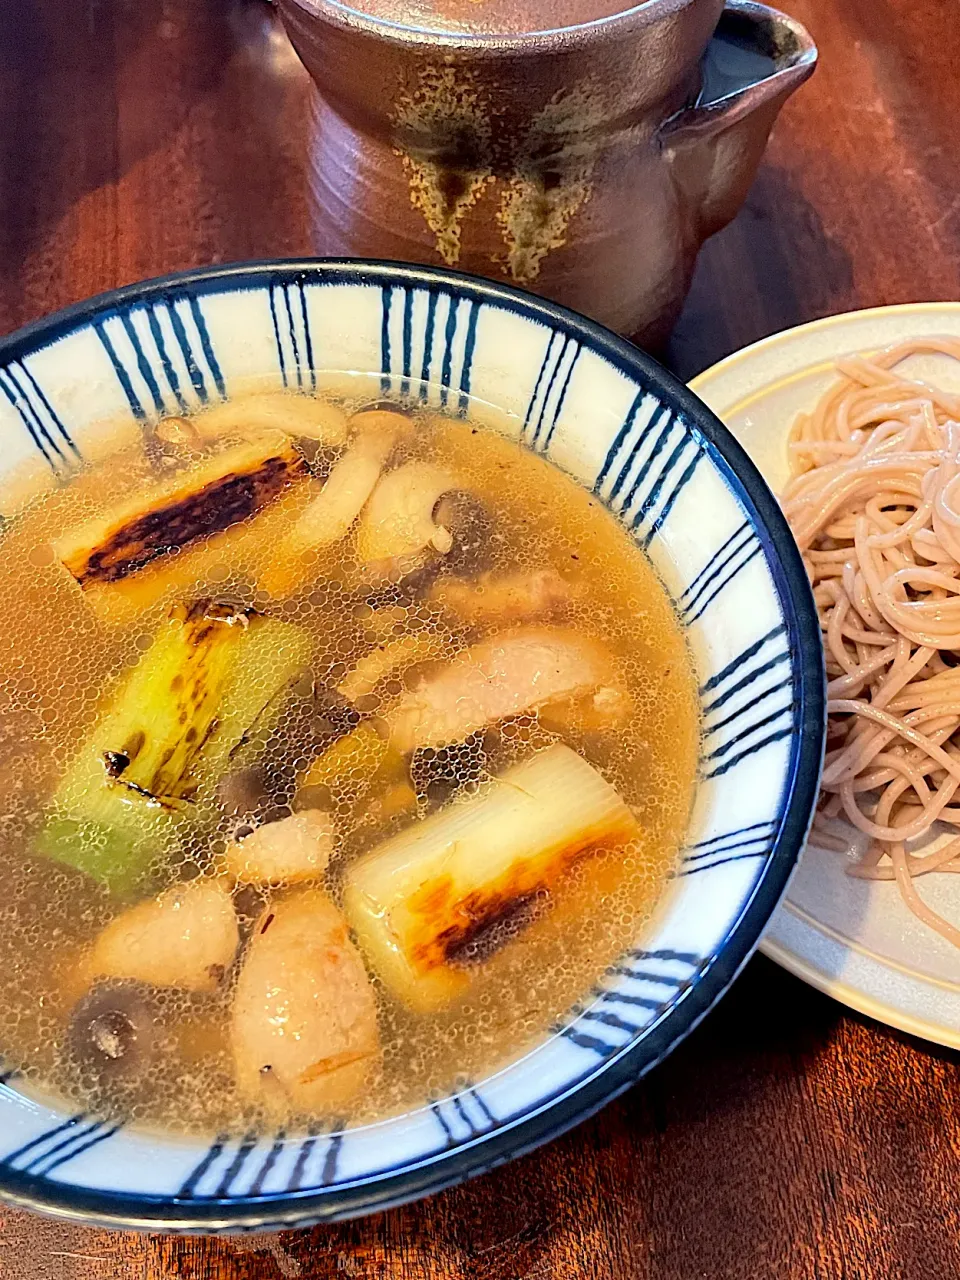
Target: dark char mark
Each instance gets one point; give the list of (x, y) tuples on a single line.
[(216, 507)]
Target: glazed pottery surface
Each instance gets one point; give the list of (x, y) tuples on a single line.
[(587, 163)]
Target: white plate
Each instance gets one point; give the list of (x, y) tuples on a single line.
[(853, 939)]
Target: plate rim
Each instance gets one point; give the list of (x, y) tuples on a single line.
[(783, 336), (852, 996)]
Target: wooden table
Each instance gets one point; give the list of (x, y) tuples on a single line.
[(786, 1139)]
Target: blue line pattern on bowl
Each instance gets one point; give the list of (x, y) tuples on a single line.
[(162, 356), (658, 460), (550, 391), (437, 335), (749, 705), (41, 422), (291, 330), (653, 457), (755, 841), (740, 548)]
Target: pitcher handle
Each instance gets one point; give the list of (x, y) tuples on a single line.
[(757, 58)]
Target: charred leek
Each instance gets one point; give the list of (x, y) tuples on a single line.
[(227, 488), (212, 678), (420, 900)]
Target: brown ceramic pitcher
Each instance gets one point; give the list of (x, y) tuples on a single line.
[(587, 163)]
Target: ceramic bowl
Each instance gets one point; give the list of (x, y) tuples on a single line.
[(662, 463)]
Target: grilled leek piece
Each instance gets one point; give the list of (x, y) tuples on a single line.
[(194, 570), (213, 679), (222, 491), (421, 902)]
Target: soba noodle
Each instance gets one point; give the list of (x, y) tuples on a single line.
[(874, 503)]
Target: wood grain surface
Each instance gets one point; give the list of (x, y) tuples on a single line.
[(786, 1138)]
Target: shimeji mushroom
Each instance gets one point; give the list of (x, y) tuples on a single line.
[(295, 415), (330, 515), (420, 513)]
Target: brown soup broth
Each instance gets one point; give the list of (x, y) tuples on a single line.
[(61, 659)]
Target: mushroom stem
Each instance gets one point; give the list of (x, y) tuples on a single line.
[(331, 514), (397, 530)]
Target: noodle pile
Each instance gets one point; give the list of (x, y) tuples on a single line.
[(874, 504)]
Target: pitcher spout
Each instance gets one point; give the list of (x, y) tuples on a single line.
[(758, 57)]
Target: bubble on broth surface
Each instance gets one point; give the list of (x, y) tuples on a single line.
[(61, 660)]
